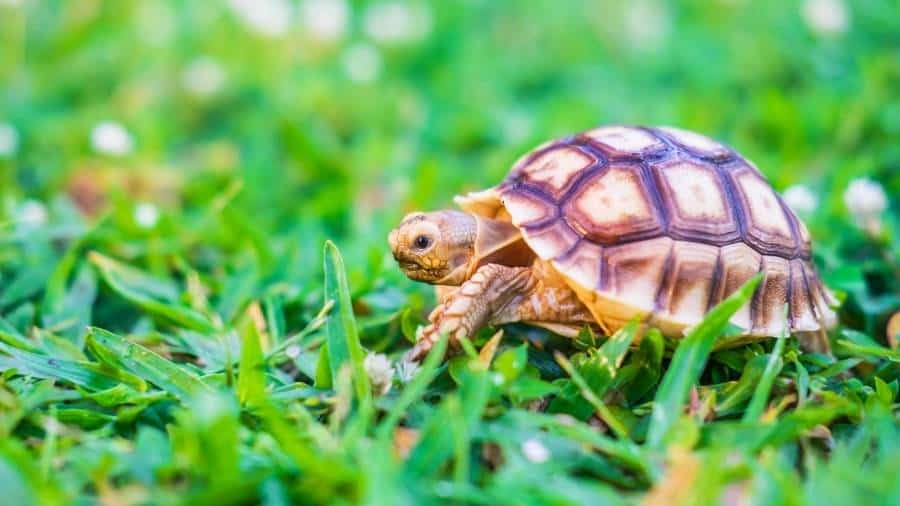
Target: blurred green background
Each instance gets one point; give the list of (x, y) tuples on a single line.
[(215, 145)]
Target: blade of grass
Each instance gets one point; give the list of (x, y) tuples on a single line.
[(414, 389), (613, 350), (251, 374), (123, 280), (342, 336), (84, 374), (868, 351), (761, 394), (597, 371), (798, 422), (738, 393), (624, 451), (152, 367), (17, 340), (605, 414), (298, 338), (436, 443), (109, 361), (688, 362)]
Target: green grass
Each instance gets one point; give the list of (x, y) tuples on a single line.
[(216, 355)]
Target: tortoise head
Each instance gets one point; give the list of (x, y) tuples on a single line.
[(436, 247)]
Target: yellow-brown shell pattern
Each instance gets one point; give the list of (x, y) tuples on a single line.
[(669, 222)]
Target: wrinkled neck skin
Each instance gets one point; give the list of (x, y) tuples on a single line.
[(460, 234), (499, 242)]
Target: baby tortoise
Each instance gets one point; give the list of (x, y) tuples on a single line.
[(611, 224)]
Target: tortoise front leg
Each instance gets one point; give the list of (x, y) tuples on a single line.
[(487, 293)]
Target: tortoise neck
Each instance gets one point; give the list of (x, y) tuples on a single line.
[(499, 242)]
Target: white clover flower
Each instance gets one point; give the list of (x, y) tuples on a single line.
[(406, 370), (111, 138), (646, 24), (826, 17), (801, 199), (326, 20), (397, 22), (380, 371), (292, 351), (269, 18), (362, 63), (32, 213), (9, 140), (866, 200), (146, 215), (535, 451), (203, 77)]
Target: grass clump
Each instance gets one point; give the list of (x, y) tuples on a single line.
[(173, 331)]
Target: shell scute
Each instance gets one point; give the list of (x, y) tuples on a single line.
[(684, 295), (623, 141), (695, 201), (528, 208), (613, 205), (802, 313), (553, 240), (582, 264), (771, 296), (738, 263), (554, 170), (636, 270), (695, 143), (768, 228)]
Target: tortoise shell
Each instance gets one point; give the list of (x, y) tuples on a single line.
[(662, 223)]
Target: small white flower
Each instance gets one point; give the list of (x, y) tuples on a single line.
[(9, 140), (203, 77), (326, 20), (406, 370), (826, 17), (535, 451), (33, 213), (646, 24), (270, 18), (866, 200), (380, 371), (801, 199), (362, 63), (397, 22), (111, 138), (292, 351), (146, 215)]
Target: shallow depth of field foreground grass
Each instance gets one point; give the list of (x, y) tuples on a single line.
[(198, 305)]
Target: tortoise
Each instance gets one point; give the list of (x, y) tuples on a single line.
[(613, 224)]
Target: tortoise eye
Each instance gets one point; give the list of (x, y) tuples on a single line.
[(422, 242)]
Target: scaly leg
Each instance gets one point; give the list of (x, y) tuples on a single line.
[(498, 294)]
